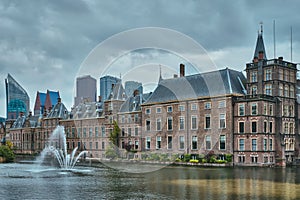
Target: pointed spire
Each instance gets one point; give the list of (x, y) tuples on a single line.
[(160, 77), (260, 51)]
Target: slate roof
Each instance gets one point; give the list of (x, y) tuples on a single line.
[(260, 46), (118, 92), (133, 103), (59, 111), (221, 82), (20, 121), (87, 110)]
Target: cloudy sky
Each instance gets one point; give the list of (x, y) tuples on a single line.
[(46, 44)]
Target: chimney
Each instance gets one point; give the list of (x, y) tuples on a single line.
[(30, 114), (182, 70), (136, 92), (112, 86), (280, 58), (260, 55), (255, 60), (58, 100), (175, 76), (99, 98)]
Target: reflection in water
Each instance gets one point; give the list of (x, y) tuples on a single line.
[(167, 183)]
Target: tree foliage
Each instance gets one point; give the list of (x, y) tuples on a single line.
[(7, 153), (114, 135)]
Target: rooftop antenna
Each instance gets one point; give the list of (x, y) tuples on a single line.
[(160, 78), (291, 44), (274, 39)]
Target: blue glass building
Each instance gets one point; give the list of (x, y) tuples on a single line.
[(17, 99), (106, 83)]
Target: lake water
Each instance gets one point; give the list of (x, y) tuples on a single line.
[(27, 181)]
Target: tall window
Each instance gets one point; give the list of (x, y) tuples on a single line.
[(170, 141), (286, 91), (271, 109), (181, 123), (253, 76), (194, 122), (208, 142), (96, 132), (268, 74), (280, 74), (254, 108), (148, 141), (181, 142), (207, 121), (280, 90), (254, 90), (242, 144), (170, 123), (265, 109), (291, 128), (265, 126), (254, 127), (285, 110), (169, 109), (148, 125), (241, 109), (265, 144), (158, 142), (286, 128), (129, 131), (103, 131), (292, 92), (270, 127), (268, 89), (222, 121), (222, 142), (136, 131), (194, 142), (90, 132), (254, 144), (158, 124), (241, 127), (270, 144)]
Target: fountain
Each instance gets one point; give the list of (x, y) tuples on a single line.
[(57, 148)]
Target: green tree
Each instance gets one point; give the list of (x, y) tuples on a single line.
[(114, 135), (7, 153)]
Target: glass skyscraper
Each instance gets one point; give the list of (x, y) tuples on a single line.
[(17, 99), (106, 83)]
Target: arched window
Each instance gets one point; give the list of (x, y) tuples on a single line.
[(292, 92), (280, 90), (286, 91)]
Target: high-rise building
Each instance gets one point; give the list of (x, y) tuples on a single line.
[(131, 86), (106, 85), (17, 99), (85, 89)]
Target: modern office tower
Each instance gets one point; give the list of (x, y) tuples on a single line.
[(86, 89), (106, 84), (17, 99), (131, 86)]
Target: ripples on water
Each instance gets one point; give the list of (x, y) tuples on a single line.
[(27, 181)]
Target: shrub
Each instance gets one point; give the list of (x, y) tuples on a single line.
[(187, 157), (221, 161), (212, 159), (194, 161), (7, 153), (204, 160), (177, 160), (228, 157)]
